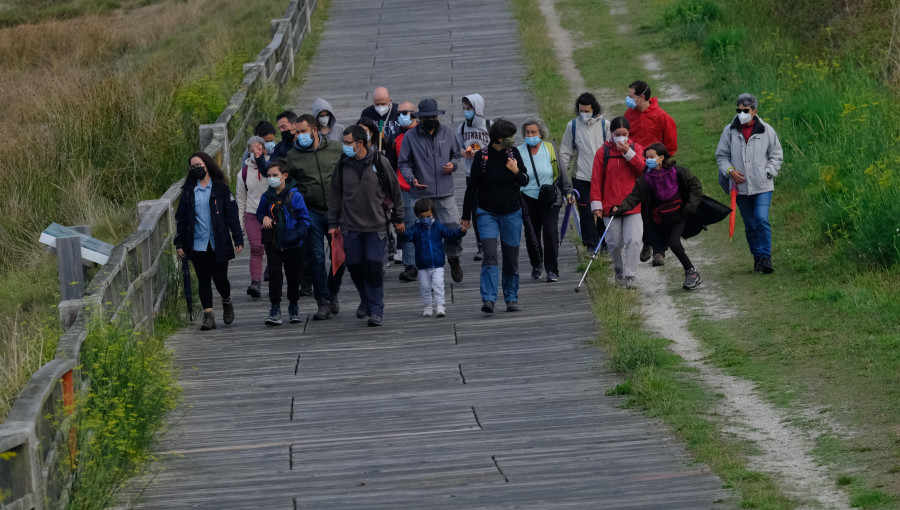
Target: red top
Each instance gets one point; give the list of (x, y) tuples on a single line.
[(652, 126), (397, 141), (613, 183), (747, 130)]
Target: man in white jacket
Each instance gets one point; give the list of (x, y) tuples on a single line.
[(583, 137)]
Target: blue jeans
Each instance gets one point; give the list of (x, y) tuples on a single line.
[(364, 255), (503, 231), (325, 283), (755, 213), (409, 248)]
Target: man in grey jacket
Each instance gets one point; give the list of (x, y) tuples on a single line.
[(749, 157), (429, 154)]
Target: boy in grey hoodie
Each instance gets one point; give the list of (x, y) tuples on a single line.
[(328, 124), (472, 136)]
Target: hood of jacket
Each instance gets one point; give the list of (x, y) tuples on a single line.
[(320, 105), (478, 104)]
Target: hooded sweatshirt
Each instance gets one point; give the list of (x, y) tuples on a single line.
[(250, 187), (335, 130), (652, 125), (473, 130), (311, 168), (589, 137)]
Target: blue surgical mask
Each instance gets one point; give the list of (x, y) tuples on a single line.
[(348, 151), (426, 220), (629, 102), (303, 140), (404, 120), (470, 114), (274, 182), (651, 164), (532, 140), (270, 146)]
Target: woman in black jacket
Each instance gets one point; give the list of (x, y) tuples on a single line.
[(207, 214), (498, 174), (667, 193)]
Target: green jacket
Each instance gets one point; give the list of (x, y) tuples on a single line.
[(311, 169), (689, 187)]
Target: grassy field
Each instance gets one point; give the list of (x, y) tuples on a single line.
[(823, 334)]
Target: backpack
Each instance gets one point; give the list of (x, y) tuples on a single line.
[(602, 130)]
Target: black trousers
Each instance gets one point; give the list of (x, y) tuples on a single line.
[(545, 221), (210, 270), (591, 227), (670, 236), (475, 224), (290, 260)]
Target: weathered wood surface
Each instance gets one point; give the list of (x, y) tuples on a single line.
[(469, 411)]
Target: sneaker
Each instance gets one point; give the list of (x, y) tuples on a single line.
[(362, 311), (254, 289), (479, 255), (487, 307), (441, 312), (294, 313), (629, 283), (619, 277), (335, 305), (274, 318), (306, 290), (409, 274), (658, 260), (398, 257), (646, 252), (375, 320), (692, 279), (228, 311), (324, 312), (209, 321), (756, 267), (535, 273), (552, 277), (427, 312), (456, 270), (765, 265), (512, 306)]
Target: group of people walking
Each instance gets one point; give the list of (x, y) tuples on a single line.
[(329, 197)]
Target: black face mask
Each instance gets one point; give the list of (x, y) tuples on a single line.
[(198, 172), (429, 124), (287, 136)]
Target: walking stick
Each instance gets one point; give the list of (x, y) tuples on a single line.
[(595, 253)]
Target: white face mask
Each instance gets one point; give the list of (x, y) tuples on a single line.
[(744, 118), (382, 109), (586, 116), (323, 120), (620, 139)]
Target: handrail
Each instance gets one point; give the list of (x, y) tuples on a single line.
[(35, 434)]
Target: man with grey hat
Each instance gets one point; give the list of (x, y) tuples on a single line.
[(429, 154)]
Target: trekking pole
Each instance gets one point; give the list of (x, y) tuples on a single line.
[(595, 253)]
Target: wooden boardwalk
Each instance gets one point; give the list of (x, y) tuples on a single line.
[(469, 411)]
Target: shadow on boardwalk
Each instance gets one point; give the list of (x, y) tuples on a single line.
[(468, 411)]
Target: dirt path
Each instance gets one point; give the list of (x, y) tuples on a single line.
[(784, 449)]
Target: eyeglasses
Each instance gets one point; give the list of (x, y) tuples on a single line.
[(198, 167), (406, 112), (742, 110)]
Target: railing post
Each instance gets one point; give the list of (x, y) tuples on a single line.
[(71, 271)]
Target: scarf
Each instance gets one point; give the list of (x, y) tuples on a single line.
[(663, 183)]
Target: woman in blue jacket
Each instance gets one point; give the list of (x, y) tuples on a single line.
[(207, 213), (285, 222)]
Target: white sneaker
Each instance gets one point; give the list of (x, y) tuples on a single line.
[(441, 311), (398, 256), (427, 312)]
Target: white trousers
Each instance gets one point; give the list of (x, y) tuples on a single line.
[(432, 280), (624, 242)]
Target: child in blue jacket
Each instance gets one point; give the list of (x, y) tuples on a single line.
[(428, 236)]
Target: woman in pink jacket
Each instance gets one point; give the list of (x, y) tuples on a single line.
[(617, 165)]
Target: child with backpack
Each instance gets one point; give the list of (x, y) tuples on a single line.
[(428, 236)]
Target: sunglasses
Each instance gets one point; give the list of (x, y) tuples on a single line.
[(198, 167), (406, 112), (742, 110)]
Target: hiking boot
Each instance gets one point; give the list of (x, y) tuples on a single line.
[(306, 290), (335, 305), (692, 279), (409, 274), (765, 265), (274, 318), (362, 311), (487, 307), (294, 313), (646, 252), (756, 266), (456, 271), (375, 320), (441, 312), (323, 313), (512, 306), (479, 255), (209, 321), (427, 312), (552, 277), (228, 311), (398, 257), (535, 273), (658, 260), (629, 283), (254, 289), (619, 277)]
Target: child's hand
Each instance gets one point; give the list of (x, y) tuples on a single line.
[(464, 225)]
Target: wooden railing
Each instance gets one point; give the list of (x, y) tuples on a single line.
[(37, 441)]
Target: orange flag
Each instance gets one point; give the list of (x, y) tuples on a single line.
[(337, 252), (733, 211)]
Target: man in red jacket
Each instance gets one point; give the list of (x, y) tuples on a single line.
[(650, 124)]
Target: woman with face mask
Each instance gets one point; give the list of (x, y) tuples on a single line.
[(493, 194), (667, 194), (617, 165), (250, 187), (282, 213), (206, 214)]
